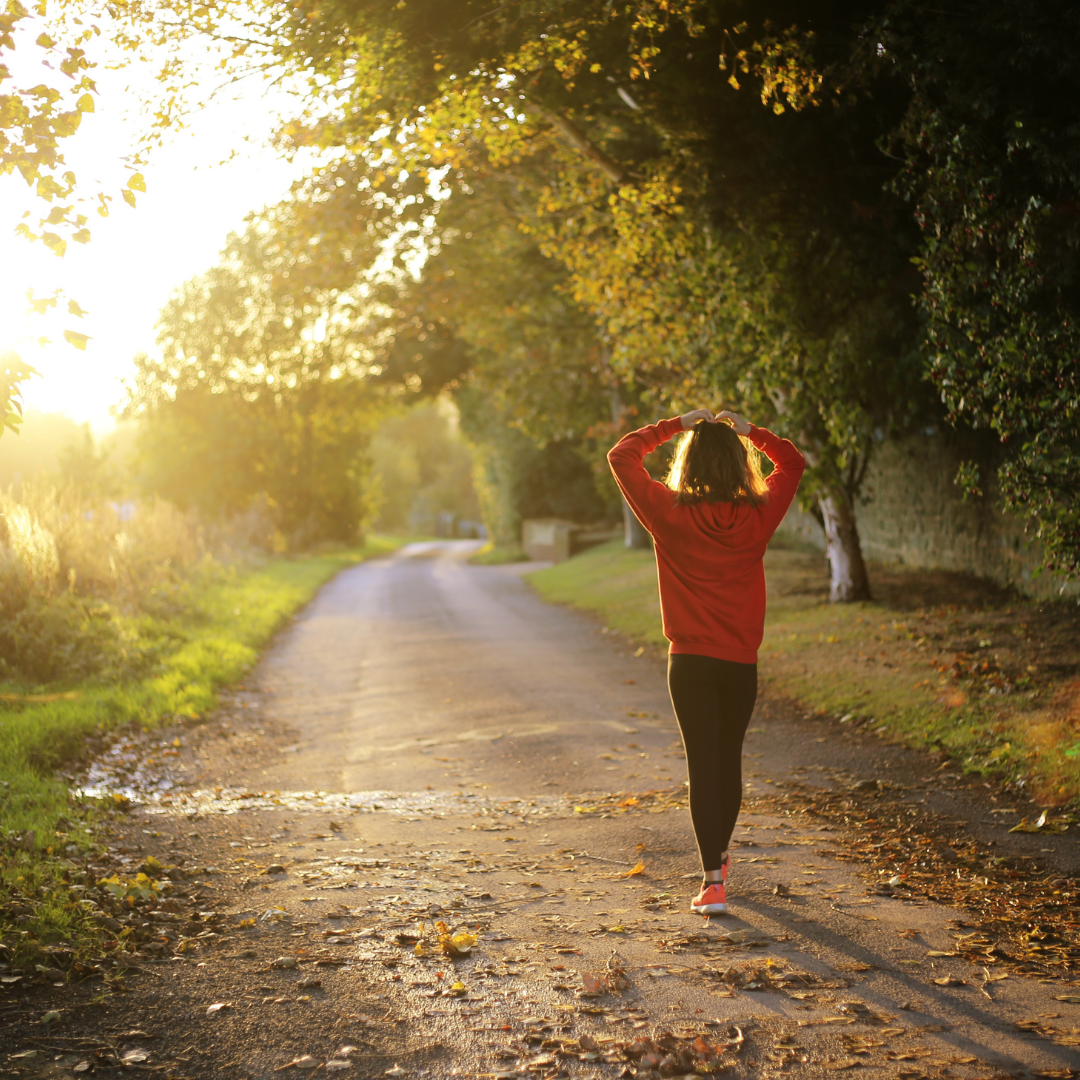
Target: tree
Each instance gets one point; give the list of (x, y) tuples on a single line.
[(730, 241), (992, 173), (728, 245), (488, 319), (260, 395), (422, 468)]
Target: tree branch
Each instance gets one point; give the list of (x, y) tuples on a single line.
[(580, 141)]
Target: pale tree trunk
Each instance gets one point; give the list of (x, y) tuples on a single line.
[(848, 580), (635, 534)]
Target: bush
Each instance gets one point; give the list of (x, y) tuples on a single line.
[(76, 574)]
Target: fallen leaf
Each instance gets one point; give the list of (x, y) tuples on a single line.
[(134, 1057), (635, 870), (51, 1016), (217, 1007), (285, 963), (462, 942), (948, 980), (397, 1070), (1071, 999)]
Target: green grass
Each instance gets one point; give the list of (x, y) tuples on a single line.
[(613, 581), (962, 677), (215, 642)]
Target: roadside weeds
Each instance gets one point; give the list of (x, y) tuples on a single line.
[(47, 830)]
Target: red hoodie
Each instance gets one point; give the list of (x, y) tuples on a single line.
[(708, 555)]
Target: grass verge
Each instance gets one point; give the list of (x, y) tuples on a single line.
[(214, 641), (939, 659), (491, 555)]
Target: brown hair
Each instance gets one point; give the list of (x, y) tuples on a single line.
[(713, 464)]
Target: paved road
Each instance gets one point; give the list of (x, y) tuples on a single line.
[(403, 751), (423, 670)]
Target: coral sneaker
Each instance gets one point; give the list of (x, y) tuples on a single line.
[(712, 900)]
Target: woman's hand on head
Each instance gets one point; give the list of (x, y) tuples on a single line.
[(691, 418), (741, 426)]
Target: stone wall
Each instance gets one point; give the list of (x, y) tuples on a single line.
[(911, 513)]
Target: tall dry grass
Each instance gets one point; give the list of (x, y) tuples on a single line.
[(76, 572)]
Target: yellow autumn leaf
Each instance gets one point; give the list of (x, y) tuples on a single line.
[(136, 182), (73, 337), (463, 941)]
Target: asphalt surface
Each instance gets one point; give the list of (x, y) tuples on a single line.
[(428, 740)]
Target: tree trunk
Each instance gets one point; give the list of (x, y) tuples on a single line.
[(848, 580), (637, 536)]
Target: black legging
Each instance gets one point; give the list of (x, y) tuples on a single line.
[(713, 700)]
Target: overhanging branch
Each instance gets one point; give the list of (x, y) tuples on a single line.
[(580, 141)]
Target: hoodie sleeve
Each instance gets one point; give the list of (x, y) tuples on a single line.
[(648, 498), (783, 481)]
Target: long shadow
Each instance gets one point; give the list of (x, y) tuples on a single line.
[(971, 1012)]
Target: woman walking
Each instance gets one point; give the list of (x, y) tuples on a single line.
[(710, 525)]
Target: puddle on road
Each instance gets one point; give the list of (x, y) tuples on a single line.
[(138, 769), (424, 803)]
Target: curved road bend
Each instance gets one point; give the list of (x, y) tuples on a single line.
[(421, 670)]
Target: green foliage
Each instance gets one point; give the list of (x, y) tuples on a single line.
[(992, 172), (421, 468), (69, 639), (517, 479), (612, 581), (720, 246), (13, 373), (729, 232), (259, 399)]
